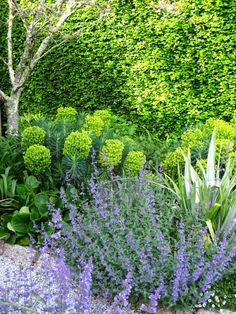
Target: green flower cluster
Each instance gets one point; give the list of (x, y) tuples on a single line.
[(111, 153), (134, 162), (223, 146), (68, 113), (77, 144), (37, 159), (94, 125), (32, 135), (192, 138), (172, 161), (223, 129), (105, 115)]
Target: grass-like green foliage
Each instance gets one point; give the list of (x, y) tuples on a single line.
[(37, 159), (32, 135), (163, 66), (111, 153), (66, 113), (208, 192), (78, 144), (134, 162)]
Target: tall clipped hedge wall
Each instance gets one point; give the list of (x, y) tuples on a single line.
[(164, 65)]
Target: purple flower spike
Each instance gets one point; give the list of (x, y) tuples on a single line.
[(123, 296), (152, 307), (85, 287)]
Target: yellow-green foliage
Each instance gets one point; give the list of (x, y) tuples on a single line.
[(223, 147), (66, 113), (172, 161), (77, 144), (134, 162), (32, 135), (111, 153), (192, 138), (37, 159), (223, 129), (26, 119), (203, 162), (94, 125), (105, 115)]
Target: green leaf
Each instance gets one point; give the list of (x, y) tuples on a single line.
[(10, 227), (24, 241), (32, 183), (34, 215), (41, 201), (21, 222), (24, 210)]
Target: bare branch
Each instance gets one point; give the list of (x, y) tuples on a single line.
[(67, 38), (3, 96), (4, 61), (65, 15), (21, 14), (9, 41)]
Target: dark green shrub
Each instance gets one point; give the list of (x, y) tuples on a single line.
[(162, 68), (37, 159)]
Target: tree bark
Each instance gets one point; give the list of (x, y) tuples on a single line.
[(12, 105)]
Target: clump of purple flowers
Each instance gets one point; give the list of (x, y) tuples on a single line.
[(130, 224)]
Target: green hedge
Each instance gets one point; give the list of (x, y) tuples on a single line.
[(163, 66)]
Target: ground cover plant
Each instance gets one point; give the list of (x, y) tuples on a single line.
[(129, 225)]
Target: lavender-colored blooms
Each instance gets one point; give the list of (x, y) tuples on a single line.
[(122, 298), (122, 228), (154, 298), (180, 267), (85, 287)]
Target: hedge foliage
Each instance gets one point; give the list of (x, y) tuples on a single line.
[(163, 65)]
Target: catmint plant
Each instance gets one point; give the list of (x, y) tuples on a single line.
[(131, 224)]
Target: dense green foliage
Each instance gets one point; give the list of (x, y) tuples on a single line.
[(32, 135), (163, 66), (37, 159)]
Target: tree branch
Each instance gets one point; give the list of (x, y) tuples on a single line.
[(21, 14), (65, 15), (9, 41), (3, 96), (4, 61)]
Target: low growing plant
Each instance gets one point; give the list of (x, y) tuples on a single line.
[(130, 225)]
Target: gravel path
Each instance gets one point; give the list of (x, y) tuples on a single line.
[(14, 258)]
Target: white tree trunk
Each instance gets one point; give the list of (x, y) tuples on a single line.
[(12, 105)]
